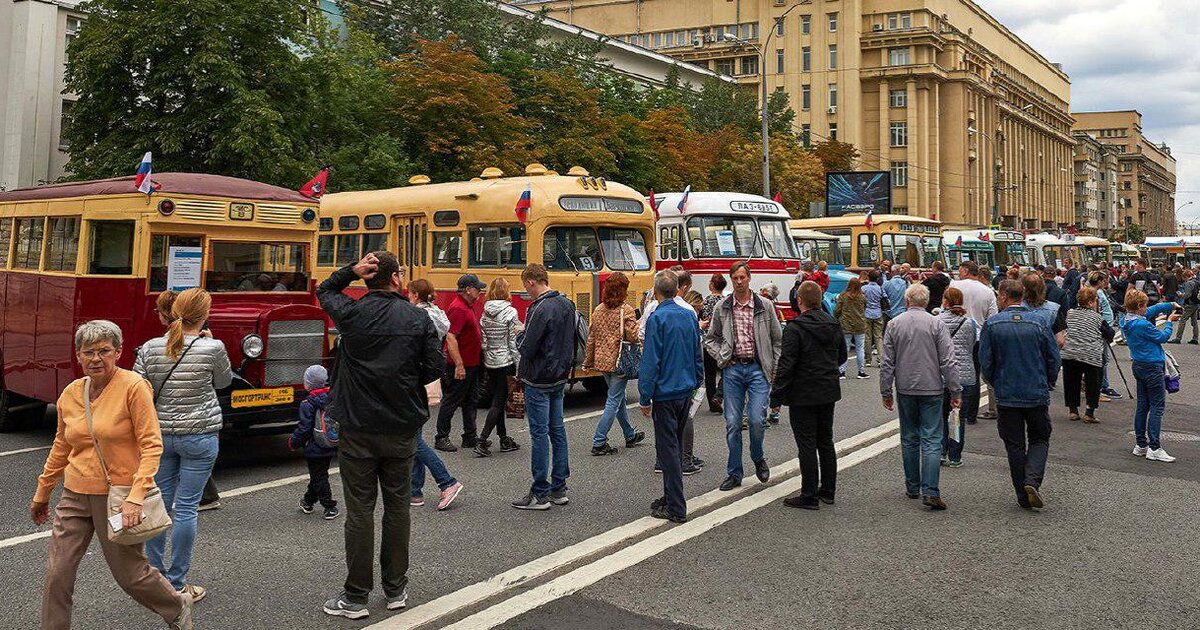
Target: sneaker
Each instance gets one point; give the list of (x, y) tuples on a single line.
[(398, 602), (802, 502), (197, 592), (468, 441), (331, 513), (1140, 451), (1159, 455), (863, 375), (1034, 497), (531, 502), (935, 504), (730, 483), (691, 469), (1175, 341), (636, 439), (507, 445), (416, 502), (449, 495), (1073, 416), (657, 503), (305, 507), (762, 470), (211, 505), (1090, 419), (444, 444), (184, 620), (1105, 398), (603, 449), (658, 469), (1112, 394), (1193, 342), (950, 463), (825, 497), (481, 449), (341, 607), (663, 513), (697, 461), (773, 417), (841, 377), (559, 497)]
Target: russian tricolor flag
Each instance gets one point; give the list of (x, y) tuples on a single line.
[(524, 203), (654, 204), (142, 181), (683, 199), (870, 218)]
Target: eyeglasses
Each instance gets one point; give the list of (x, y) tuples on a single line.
[(93, 354)]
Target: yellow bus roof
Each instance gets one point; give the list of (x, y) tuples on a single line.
[(851, 220)]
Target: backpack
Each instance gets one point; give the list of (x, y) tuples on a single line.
[(325, 430), (581, 337)]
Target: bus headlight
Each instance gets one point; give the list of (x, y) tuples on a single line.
[(252, 346)]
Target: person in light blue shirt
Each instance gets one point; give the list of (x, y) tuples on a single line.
[(873, 290), (894, 289), (1098, 280), (1145, 341)]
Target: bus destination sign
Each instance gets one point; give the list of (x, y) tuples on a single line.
[(920, 228), (765, 207)]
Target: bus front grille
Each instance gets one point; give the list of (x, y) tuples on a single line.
[(292, 346)]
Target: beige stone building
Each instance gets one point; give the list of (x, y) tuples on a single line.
[(956, 106), (1146, 177), (1096, 199)]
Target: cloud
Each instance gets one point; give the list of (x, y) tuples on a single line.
[(1128, 54)]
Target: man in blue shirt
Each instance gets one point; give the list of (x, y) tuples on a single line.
[(672, 368), (895, 288)]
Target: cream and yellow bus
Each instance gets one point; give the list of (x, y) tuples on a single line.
[(895, 237)]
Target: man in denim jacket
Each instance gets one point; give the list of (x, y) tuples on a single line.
[(1019, 356)]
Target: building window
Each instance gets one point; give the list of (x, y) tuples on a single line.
[(779, 27), (754, 30), (805, 96), (805, 24), (806, 59), (745, 31), (806, 134), (899, 131), (779, 57), (898, 57), (833, 56), (833, 131), (899, 20), (658, 40), (900, 210), (726, 66), (73, 26), (64, 124), (898, 98), (670, 40), (833, 22), (749, 65), (899, 174), (833, 95), (1127, 167)]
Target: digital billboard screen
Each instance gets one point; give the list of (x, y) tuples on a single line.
[(858, 192)]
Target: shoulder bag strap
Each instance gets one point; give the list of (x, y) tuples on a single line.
[(958, 328), (158, 391), (87, 412)]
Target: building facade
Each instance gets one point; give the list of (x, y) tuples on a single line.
[(964, 114), (1095, 173), (1146, 171)]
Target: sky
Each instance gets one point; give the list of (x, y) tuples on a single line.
[(1126, 54)]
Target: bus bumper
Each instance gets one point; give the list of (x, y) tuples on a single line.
[(265, 420)]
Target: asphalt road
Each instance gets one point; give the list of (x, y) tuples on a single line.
[(1116, 545)]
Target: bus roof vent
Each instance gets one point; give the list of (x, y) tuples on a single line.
[(578, 171), (418, 180), (536, 169), (491, 172)]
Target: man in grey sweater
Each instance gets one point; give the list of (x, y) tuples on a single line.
[(918, 357)]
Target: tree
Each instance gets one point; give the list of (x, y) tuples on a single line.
[(836, 156)]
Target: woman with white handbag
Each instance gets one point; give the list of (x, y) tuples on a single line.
[(106, 450)]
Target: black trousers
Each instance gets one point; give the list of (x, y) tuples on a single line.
[(456, 395), (368, 464), (497, 393), (711, 372), (812, 425), (1073, 371), (670, 419), (1026, 464), (318, 482)]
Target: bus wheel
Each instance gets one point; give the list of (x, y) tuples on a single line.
[(10, 415), (595, 385)]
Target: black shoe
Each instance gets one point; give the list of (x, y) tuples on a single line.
[(637, 438), (531, 502), (1175, 341), (444, 444), (603, 449), (331, 513), (825, 497), (468, 441), (508, 444), (657, 503), (762, 470), (697, 461), (802, 502), (912, 496), (730, 483), (1035, 497), (665, 514), (1193, 342), (481, 448), (306, 507), (691, 469)]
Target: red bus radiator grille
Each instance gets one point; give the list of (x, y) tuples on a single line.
[(292, 346)]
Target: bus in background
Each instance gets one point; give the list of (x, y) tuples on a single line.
[(1007, 246), (1096, 251), (102, 250), (895, 237), (1183, 250), (716, 229), (1050, 249), (1125, 254), (813, 247), (582, 228), (966, 245)]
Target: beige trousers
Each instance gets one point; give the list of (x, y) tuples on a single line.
[(77, 517)]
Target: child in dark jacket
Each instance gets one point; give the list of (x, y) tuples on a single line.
[(318, 456)]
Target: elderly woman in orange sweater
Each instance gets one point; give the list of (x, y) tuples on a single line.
[(126, 429)]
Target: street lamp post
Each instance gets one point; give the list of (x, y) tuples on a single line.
[(1190, 225)]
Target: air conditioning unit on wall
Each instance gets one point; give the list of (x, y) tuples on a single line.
[(832, 109)]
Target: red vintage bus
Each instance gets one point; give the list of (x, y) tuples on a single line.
[(102, 250)]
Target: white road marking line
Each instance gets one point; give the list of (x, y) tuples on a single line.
[(589, 574), (17, 540), (25, 450)]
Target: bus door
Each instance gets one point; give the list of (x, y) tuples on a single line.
[(412, 235)]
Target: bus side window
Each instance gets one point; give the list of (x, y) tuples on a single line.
[(673, 246), (325, 250), (664, 234), (866, 250), (374, 242), (447, 249), (110, 249), (28, 252), (496, 246), (348, 248), (5, 240)]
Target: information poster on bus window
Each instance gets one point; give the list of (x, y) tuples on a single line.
[(638, 255), (183, 268), (725, 243)]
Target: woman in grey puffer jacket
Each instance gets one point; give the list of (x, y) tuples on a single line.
[(185, 369), (499, 327), (963, 334)]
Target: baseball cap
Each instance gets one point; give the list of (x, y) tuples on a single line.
[(469, 281)]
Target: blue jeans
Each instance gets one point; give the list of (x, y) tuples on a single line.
[(428, 458), (186, 464), (952, 445), (544, 411), (921, 442), (1104, 371), (1151, 401), (860, 345), (745, 387), (614, 407)]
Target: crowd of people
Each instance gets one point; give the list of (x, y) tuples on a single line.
[(940, 343)]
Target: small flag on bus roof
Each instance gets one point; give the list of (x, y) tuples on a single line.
[(870, 218), (316, 186), (524, 203), (683, 199), (778, 198), (654, 204), (958, 242), (142, 181), (985, 237)]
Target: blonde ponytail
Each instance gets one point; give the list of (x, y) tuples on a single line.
[(174, 338), (190, 308)]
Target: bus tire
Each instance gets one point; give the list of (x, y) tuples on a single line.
[(595, 385), (10, 420)]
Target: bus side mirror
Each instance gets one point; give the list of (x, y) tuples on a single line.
[(697, 247)]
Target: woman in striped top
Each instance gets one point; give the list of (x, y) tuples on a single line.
[(1083, 354)]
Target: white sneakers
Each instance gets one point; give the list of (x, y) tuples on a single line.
[(1159, 455), (1139, 451)]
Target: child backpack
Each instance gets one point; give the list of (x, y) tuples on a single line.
[(325, 430)]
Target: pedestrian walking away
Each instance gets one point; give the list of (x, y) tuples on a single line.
[(500, 327), (1149, 363), (1098, 280), (874, 311), (316, 434), (547, 349), (1083, 352), (1019, 356), (464, 348), (388, 352), (716, 293), (1189, 297), (937, 283), (694, 301), (894, 290), (963, 333), (426, 458), (806, 380), (919, 361), (850, 312), (613, 335), (744, 338), (671, 370)]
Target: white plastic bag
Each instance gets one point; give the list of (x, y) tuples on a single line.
[(954, 426)]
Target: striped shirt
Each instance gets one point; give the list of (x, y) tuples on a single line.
[(1084, 342)]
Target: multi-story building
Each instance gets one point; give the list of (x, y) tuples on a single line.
[(1146, 177), (1095, 185), (964, 114)]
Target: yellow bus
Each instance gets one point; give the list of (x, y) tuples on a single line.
[(895, 237), (582, 228)]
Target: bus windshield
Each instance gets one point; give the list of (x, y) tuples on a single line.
[(776, 238), (257, 267), (917, 251), (815, 249), (722, 237), (624, 249), (1096, 254), (571, 249)]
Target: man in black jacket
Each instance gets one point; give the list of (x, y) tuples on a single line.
[(547, 349), (937, 282), (806, 380), (388, 352), (1071, 281)]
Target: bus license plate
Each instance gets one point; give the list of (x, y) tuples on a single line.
[(261, 397)]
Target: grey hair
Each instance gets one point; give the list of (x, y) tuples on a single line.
[(771, 289), (95, 331), (917, 295), (895, 268), (666, 283)]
